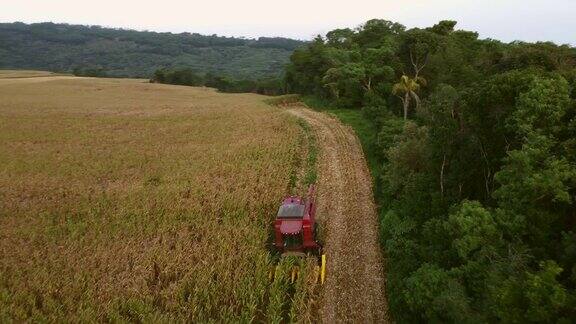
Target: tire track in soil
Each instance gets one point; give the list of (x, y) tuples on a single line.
[(355, 283)]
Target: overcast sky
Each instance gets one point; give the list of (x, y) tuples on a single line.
[(507, 20)]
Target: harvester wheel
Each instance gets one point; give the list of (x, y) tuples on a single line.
[(316, 231)]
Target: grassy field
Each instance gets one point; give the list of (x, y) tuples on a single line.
[(124, 200), (4, 74)]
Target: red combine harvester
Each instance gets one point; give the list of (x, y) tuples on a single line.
[(295, 226), (295, 233)]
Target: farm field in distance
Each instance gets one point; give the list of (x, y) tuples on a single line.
[(15, 74), (125, 200)]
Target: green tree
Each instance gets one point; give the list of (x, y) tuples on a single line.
[(478, 189), (406, 89)]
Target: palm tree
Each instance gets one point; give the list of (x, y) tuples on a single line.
[(408, 87)]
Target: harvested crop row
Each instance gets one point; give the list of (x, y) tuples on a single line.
[(354, 290)]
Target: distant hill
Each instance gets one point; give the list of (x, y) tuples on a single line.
[(121, 52)]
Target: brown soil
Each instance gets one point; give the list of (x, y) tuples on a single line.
[(355, 283)]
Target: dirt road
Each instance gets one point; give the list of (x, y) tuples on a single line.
[(354, 288)]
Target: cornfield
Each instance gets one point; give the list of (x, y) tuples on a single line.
[(122, 200)]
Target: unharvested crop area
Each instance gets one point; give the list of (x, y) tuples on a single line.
[(124, 200)]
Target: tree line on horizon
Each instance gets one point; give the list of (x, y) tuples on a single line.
[(129, 53), (187, 77), (476, 165)]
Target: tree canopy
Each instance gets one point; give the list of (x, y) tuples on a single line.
[(477, 182)]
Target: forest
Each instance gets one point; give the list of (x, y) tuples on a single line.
[(271, 86), (130, 53), (476, 165)]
